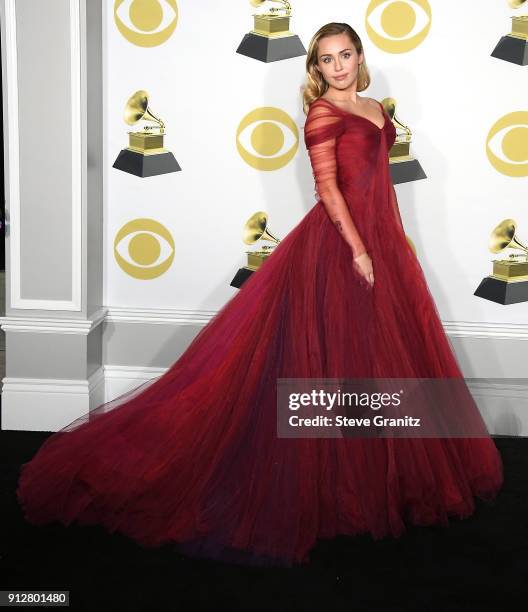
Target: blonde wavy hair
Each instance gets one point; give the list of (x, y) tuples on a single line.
[(315, 85)]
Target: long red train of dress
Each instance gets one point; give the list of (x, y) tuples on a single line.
[(192, 458)]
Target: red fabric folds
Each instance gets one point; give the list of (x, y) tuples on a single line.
[(192, 458)]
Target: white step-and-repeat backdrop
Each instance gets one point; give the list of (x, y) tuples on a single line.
[(174, 240)]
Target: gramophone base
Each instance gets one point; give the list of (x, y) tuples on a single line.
[(146, 165), (267, 49), (406, 171), (512, 49), (241, 277), (502, 292)]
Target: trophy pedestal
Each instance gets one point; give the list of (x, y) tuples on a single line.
[(404, 167), (146, 155), (271, 40), (241, 277), (508, 284), (144, 165), (501, 291), (512, 49), (406, 171), (255, 260), (268, 50)]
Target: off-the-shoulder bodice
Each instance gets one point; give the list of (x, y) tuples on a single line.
[(346, 151), (325, 120)]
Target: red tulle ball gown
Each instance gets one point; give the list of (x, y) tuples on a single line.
[(193, 459)]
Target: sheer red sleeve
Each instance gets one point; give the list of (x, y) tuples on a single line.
[(321, 130)]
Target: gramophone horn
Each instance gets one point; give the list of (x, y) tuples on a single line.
[(137, 108), (503, 236), (255, 229), (389, 104)]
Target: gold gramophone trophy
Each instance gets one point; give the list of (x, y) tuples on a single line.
[(513, 47), (255, 228), (271, 40), (145, 154), (404, 167), (508, 284)]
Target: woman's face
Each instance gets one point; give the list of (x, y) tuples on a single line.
[(338, 61)]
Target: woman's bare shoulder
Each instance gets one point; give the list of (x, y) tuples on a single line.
[(372, 101)]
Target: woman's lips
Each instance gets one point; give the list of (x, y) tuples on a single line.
[(340, 78)]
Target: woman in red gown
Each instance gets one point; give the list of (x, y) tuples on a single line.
[(192, 458)]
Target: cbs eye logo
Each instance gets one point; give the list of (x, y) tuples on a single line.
[(262, 140), (507, 144), (146, 23), (147, 250), (398, 26)]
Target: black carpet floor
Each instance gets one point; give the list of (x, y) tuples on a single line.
[(475, 563)]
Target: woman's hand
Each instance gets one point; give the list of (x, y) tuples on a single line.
[(363, 265)]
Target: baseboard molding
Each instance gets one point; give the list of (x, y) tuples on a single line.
[(502, 404), (120, 379), (469, 329), (33, 404), (48, 405)]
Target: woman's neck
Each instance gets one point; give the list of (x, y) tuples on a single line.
[(342, 96)]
